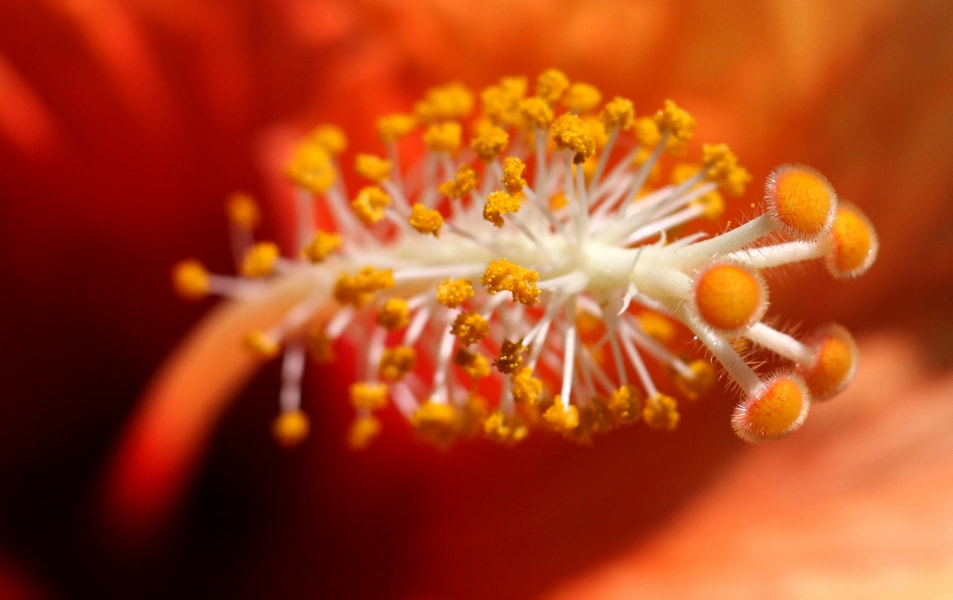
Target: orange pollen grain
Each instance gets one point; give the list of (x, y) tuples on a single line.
[(803, 200), (728, 297)]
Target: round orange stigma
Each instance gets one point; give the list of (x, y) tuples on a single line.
[(773, 412), (835, 364), (801, 200), (730, 296), (854, 243)]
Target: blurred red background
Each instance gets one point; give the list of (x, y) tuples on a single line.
[(125, 124)]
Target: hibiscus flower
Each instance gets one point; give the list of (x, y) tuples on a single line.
[(138, 143)]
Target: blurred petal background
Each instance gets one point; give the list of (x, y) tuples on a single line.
[(124, 125)]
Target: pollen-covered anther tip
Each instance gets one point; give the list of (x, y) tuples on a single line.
[(262, 344), (368, 395), (425, 220), (369, 204), (454, 292), (729, 297), (260, 260), (437, 422), (801, 201), (835, 362), (570, 132), (290, 428), (701, 381), (190, 279), (322, 245), (853, 242), (505, 429), (372, 167), (551, 84), (562, 418), (677, 121), (362, 432), (774, 410), (660, 412), (243, 211)]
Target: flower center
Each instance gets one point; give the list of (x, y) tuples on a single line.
[(534, 276)]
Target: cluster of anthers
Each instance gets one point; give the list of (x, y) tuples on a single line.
[(543, 262)]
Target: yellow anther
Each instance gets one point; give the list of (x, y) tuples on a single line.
[(551, 84), (362, 432), (590, 325), (311, 167), (320, 347), (425, 220), (711, 203), (598, 130), (490, 142), (372, 167), (472, 414), (536, 111), (290, 428), (262, 344), (358, 289), (834, 362), (660, 412), (582, 97), (801, 200), (454, 292), (773, 411), (513, 169), (593, 418), (700, 382), (259, 260), (501, 102), (394, 127), (444, 137), (853, 243), (475, 364), (570, 132), (437, 422), (722, 167), (369, 204), (322, 246), (502, 275), (191, 280), (624, 405), (500, 203), (526, 389), (329, 137), (675, 120), (470, 328), (505, 429), (366, 395), (561, 418), (443, 103), (618, 113), (729, 297), (243, 211), (646, 132), (393, 314), (558, 200), (397, 362), (683, 172), (463, 182), (510, 359)]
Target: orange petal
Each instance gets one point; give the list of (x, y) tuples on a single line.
[(164, 440)]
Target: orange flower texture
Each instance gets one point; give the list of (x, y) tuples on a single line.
[(503, 293)]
